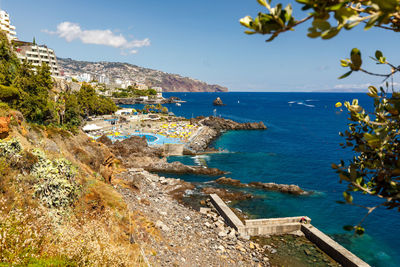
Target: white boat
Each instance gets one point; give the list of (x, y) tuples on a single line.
[(178, 104)]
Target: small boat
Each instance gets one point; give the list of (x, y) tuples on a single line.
[(178, 104)]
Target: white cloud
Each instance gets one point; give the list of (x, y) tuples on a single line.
[(72, 31)]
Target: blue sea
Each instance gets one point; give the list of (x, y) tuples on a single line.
[(299, 147)]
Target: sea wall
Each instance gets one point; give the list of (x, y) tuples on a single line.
[(230, 218), (332, 248), (277, 226)]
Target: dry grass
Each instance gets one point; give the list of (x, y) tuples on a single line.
[(96, 230)]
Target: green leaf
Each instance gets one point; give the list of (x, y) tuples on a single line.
[(345, 75), (323, 25), (332, 32), (387, 5), (289, 11), (371, 22), (360, 230), (344, 63), (373, 90), (348, 197), (378, 54), (355, 57)]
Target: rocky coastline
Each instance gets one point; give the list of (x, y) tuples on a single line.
[(176, 211), (212, 127), (283, 188)]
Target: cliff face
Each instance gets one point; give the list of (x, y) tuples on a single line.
[(124, 71)]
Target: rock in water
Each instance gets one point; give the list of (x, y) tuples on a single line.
[(218, 102)]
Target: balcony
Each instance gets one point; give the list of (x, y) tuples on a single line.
[(12, 27)]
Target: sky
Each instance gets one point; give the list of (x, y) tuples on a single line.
[(199, 39)]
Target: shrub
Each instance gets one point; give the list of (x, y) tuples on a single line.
[(56, 186), (10, 149)]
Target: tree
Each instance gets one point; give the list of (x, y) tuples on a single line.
[(374, 137)]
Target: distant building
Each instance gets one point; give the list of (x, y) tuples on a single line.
[(141, 86), (36, 55), (118, 81), (86, 77), (6, 26), (103, 79), (159, 91)]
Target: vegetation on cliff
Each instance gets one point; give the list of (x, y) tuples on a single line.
[(30, 91), (56, 207)]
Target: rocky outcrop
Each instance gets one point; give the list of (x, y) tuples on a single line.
[(62, 85), (225, 124), (283, 188), (212, 127), (4, 128), (179, 168), (218, 102), (225, 194), (229, 181)]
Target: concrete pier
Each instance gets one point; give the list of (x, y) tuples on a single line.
[(277, 226)]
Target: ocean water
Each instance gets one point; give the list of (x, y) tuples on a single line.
[(299, 147)]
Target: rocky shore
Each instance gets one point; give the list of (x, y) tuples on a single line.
[(192, 234), (212, 127), (283, 188), (187, 237)]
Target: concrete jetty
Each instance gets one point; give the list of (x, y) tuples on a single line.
[(277, 226)]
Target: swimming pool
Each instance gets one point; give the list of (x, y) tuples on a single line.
[(149, 137)]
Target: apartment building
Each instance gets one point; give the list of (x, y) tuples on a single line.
[(36, 55), (6, 26), (159, 91)]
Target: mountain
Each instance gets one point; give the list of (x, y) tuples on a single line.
[(128, 72)]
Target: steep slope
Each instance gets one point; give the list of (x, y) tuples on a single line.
[(124, 71)]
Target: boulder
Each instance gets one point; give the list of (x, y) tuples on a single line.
[(226, 195), (284, 188), (218, 102), (4, 127), (179, 168), (229, 181)]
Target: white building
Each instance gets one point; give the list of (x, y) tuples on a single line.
[(6, 26), (86, 77), (103, 79), (159, 91), (36, 55), (141, 86)]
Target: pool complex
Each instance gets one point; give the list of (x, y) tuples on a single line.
[(152, 139)]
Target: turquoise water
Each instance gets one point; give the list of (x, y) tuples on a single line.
[(299, 147), (152, 139)]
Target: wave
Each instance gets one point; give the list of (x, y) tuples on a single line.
[(311, 100)]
